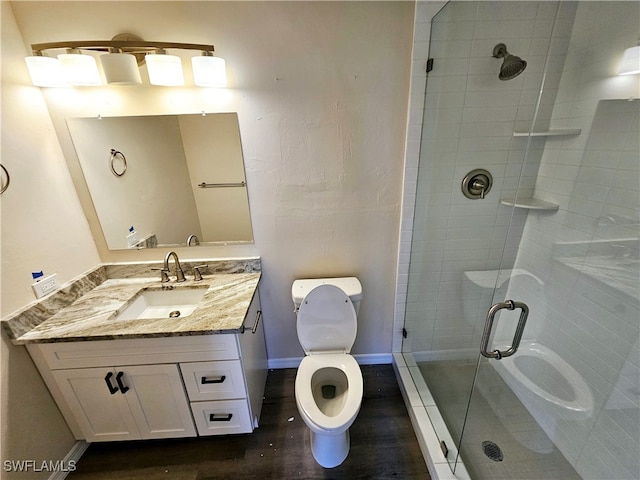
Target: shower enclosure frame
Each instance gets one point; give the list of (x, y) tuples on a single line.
[(429, 442)]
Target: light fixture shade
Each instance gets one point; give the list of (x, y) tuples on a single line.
[(630, 61), (209, 71), (45, 71), (120, 69), (165, 70), (80, 70)]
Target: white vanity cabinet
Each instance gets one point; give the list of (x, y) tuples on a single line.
[(165, 387), (218, 390), (127, 402)]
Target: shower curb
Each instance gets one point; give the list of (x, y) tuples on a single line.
[(422, 425)]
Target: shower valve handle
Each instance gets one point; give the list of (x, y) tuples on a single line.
[(488, 325), (479, 185)]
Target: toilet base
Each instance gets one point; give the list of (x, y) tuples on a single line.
[(330, 450)]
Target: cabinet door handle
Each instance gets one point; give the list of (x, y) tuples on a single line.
[(220, 418), (206, 381), (254, 329), (123, 387), (107, 380)]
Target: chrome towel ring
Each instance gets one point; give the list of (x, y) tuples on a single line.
[(4, 175), (118, 170)]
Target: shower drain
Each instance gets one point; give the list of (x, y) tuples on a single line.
[(492, 450)]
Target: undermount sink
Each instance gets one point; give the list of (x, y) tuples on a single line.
[(155, 303)]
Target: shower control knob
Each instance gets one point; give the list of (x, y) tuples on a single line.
[(479, 184), (476, 184)]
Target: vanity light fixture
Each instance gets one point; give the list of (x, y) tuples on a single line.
[(209, 71), (120, 68), (45, 71), (630, 61), (79, 69), (122, 56), (164, 70)]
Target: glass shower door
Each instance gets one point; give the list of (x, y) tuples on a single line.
[(566, 403), (481, 153), (476, 157)]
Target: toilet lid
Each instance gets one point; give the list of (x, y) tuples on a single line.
[(327, 321)]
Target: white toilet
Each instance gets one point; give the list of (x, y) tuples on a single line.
[(328, 385)]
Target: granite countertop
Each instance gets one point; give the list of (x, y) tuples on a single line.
[(92, 316)]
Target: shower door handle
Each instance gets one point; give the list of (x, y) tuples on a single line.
[(488, 325)]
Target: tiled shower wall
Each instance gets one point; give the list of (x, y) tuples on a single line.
[(470, 118), (593, 177), (424, 12), (593, 323)]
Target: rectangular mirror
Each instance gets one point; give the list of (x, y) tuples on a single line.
[(176, 179)]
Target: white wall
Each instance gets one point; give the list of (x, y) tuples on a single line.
[(321, 91)]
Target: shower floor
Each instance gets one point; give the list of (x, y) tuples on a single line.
[(495, 415)]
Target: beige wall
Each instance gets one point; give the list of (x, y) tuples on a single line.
[(321, 91), (321, 97), (223, 213), (155, 185), (43, 228)]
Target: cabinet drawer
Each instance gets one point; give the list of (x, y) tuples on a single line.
[(139, 351), (222, 417), (213, 380)]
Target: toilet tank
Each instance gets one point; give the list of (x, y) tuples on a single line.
[(349, 285)]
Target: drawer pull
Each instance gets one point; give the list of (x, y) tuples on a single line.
[(220, 418), (123, 388), (107, 380), (207, 381)]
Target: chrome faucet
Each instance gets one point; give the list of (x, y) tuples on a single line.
[(179, 272)]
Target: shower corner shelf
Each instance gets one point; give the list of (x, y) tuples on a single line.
[(530, 204), (550, 133)]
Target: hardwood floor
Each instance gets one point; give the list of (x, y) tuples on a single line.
[(383, 444)]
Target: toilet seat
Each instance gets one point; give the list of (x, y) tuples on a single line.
[(306, 402), (327, 321)]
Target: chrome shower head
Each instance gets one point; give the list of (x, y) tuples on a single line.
[(512, 66)]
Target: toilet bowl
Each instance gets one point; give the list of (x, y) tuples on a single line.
[(328, 385)]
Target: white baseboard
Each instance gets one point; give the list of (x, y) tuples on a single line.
[(70, 460), (374, 358), (278, 363), (363, 359)]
